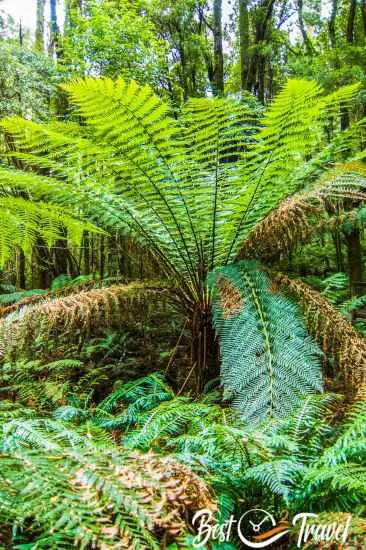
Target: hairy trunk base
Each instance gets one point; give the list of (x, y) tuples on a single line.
[(205, 355)]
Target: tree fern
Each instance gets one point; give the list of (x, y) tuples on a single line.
[(268, 361), (193, 189)]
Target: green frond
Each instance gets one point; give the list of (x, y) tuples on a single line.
[(346, 480), (280, 476), (100, 494), (23, 221), (191, 189), (268, 361), (12, 297)]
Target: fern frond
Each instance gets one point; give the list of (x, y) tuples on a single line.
[(23, 221), (268, 361), (191, 190), (100, 495), (297, 219), (56, 316), (333, 332), (281, 476)]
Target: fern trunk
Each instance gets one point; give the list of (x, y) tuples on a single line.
[(205, 356)]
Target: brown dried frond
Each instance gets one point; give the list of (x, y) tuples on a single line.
[(290, 223), (163, 491), (74, 314), (361, 393), (231, 301), (184, 492), (298, 218), (59, 293), (334, 333)]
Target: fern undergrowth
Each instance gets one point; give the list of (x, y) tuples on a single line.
[(131, 469)]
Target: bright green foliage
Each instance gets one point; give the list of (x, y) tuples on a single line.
[(24, 220), (27, 82), (267, 360), (112, 39), (191, 189), (15, 296)]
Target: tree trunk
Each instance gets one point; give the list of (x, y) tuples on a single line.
[(60, 257), (256, 76), (205, 354), (101, 257), (331, 24), (304, 34), (338, 250), (244, 42), (39, 42), (53, 48), (363, 13), (42, 265), (354, 257), (20, 34), (21, 281), (218, 49), (351, 21), (86, 253)]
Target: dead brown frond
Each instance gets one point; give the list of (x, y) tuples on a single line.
[(169, 493), (184, 492), (77, 314), (231, 300), (297, 219), (59, 293), (292, 222), (334, 333)]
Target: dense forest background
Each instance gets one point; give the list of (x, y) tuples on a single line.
[(182, 270)]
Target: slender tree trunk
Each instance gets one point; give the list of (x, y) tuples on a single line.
[(21, 280), (304, 34), (354, 257), (338, 250), (218, 48), (205, 354), (351, 21), (257, 72), (53, 47), (39, 42), (86, 250), (42, 265), (244, 42), (363, 13), (331, 24), (60, 257), (101, 257), (20, 34)]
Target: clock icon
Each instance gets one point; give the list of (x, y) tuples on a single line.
[(257, 528)]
